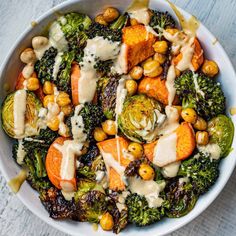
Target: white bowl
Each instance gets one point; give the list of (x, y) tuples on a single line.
[(12, 66)]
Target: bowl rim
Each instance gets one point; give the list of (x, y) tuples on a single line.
[(48, 220)]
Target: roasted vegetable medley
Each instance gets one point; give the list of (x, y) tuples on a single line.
[(120, 119)]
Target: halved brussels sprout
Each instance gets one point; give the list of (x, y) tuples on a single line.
[(221, 131), (140, 118), (33, 106)]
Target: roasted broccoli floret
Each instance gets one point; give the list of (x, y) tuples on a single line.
[(73, 26), (44, 67), (35, 149), (201, 170), (63, 77), (201, 93), (107, 88), (90, 155), (103, 67), (140, 213), (161, 20), (92, 117), (181, 198), (56, 205)]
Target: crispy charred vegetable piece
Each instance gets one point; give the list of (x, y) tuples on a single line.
[(139, 213), (221, 131), (91, 154), (44, 67), (107, 88), (139, 118), (201, 93), (33, 106), (201, 171), (56, 205), (161, 20), (92, 117), (181, 198)]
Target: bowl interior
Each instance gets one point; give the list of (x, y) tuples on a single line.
[(12, 66)]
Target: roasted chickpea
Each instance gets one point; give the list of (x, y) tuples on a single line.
[(146, 172), (32, 84), (63, 99), (177, 72), (48, 99), (172, 31), (160, 47), (189, 115), (152, 68), (107, 222), (66, 110), (159, 58), (136, 150), (110, 14), (131, 86), (100, 20), (202, 138), (210, 68), (146, 61), (39, 42), (53, 123), (133, 22), (28, 56), (109, 127), (200, 124), (136, 72), (48, 88), (99, 134)]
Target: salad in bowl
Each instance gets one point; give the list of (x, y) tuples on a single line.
[(119, 119)]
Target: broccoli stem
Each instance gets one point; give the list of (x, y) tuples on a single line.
[(120, 22)]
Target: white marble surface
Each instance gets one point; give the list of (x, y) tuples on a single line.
[(219, 16)]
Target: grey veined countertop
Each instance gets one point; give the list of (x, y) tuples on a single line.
[(220, 18)]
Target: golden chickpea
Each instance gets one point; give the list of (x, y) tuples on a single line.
[(39, 42), (48, 99), (133, 22), (202, 138), (54, 123), (160, 47), (28, 56), (32, 84), (146, 172), (67, 110), (63, 99), (172, 31), (136, 72), (131, 86), (107, 222), (100, 20), (136, 150), (159, 58), (189, 115), (152, 68), (210, 68), (109, 127), (99, 134), (48, 88), (110, 14), (200, 124)]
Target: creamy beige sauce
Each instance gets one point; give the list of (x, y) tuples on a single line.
[(96, 48), (20, 152), (142, 16), (171, 170), (70, 149), (170, 84), (20, 99), (147, 188), (183, 180), (78, 125), (63, 129), (211, 148), (121, 201), (57, 64), (149, 29), (121, 63), (99, 175), (15, 183), (68, 195)]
